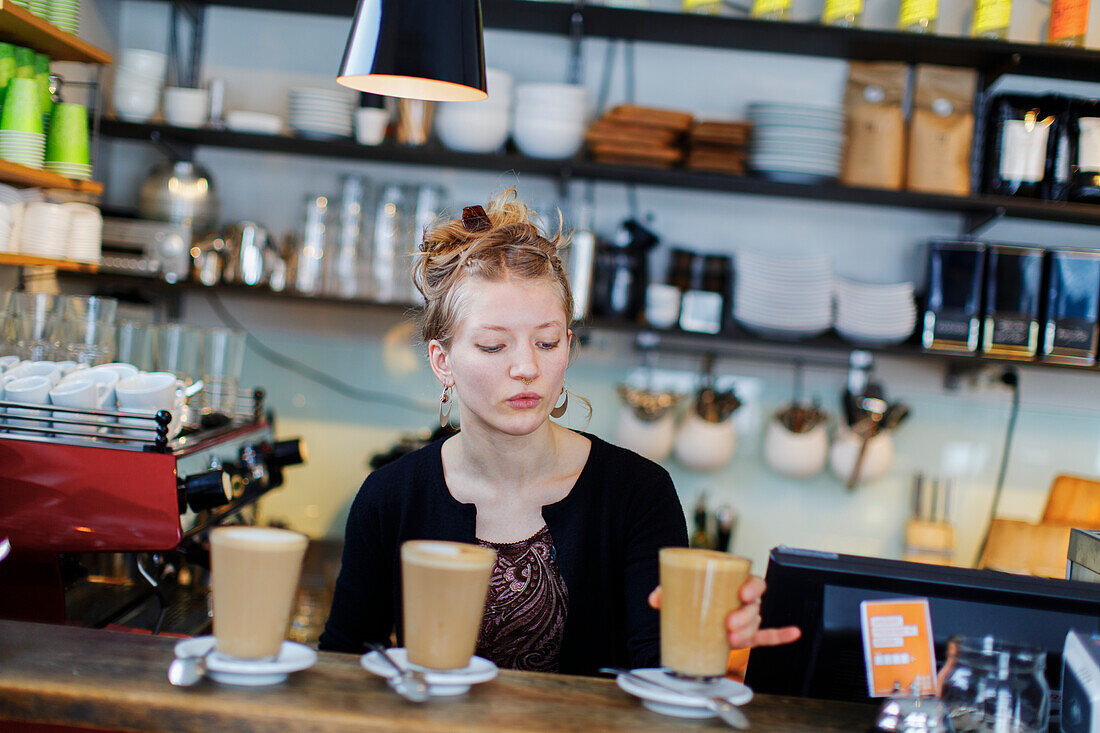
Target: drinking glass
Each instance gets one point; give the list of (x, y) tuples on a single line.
[(136, 342), (993, 686), (33, 325), (222, 359), (179, 350), (87, 333)]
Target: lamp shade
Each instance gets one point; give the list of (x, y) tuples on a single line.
[(418, 49)]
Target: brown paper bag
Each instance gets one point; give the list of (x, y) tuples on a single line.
[(875, 155), (942, 130)]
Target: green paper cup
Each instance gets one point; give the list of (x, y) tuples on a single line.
[(22, 111), (24, 62), (67, 141)]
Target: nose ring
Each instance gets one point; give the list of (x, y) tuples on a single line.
[(526, 382)]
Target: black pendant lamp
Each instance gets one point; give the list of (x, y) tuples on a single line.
[(418, 49)]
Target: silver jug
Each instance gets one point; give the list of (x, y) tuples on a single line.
[(180, 192), (249, 254)]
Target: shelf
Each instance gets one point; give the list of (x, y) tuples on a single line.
[(22, 27), (19, 260), (805, 39), (346, 149), (21, 175), (732, 343)]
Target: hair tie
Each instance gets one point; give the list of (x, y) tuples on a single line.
[(474, 219)]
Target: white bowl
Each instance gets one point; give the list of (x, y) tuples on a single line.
[(185, 107), (143, 61), (134, 105), (567, 95), (547, 139), (470, 133)]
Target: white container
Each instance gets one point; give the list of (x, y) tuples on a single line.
[(651, 439), (143, 61), (704, 446), (798, 455), (877, 460), (547, 139), (184, 107), (370, 125), (472, 132), (134, 104)]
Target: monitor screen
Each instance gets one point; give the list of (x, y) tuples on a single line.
[(821, 592)]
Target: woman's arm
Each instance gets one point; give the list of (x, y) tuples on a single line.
[(362, 604), (655, 519)]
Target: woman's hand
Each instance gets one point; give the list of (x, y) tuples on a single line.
[(743, 625)]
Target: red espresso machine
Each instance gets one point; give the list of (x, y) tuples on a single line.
[(106, 517)]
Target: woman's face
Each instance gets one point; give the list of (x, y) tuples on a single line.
[(508, 355)]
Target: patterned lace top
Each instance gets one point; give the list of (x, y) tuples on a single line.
[(528, 601)]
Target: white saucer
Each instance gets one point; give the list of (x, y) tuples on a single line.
[(691, 702), (440, 683), (293, 657)]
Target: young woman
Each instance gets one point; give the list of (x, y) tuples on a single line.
[(576, 521)]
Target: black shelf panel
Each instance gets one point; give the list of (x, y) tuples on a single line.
[(805, 39), (347, 149), (733, 342)]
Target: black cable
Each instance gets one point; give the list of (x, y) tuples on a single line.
[(1012, 379), (314, 375)]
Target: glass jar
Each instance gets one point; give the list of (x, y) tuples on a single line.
[(991, 685)]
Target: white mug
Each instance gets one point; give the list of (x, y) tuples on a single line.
[(107, 377), (122, 369), (34, 390), (798, 455), (83, 394), (47, 369), (149, 391)]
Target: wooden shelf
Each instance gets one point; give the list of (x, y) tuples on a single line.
[(828, 349), (19, 260), (346, 149), (22, 27), (21, 175), (746, 34)]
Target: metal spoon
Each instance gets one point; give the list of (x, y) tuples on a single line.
[(408, 683), (186, 671), (726, 710)]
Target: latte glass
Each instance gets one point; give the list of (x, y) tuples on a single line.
[(699, 588)]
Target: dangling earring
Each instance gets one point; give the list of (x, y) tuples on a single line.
[(446, 400), (560, 409)]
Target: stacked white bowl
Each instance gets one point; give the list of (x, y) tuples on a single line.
[(65, 14), (7, 223), (45, 230), (874, 315), (139, 76), (478, 127), (550, 119), (783, 298), (321, 113), (24, 148), (85, 232), (796, 143)]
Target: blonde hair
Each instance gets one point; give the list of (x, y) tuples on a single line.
[(510, 244)]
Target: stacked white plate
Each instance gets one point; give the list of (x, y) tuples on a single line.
[(322, 113), (24, 148), (79, 171), (85, 232), (796, 143), (874, 315), (65, 14), (45, 230), (783, 298)]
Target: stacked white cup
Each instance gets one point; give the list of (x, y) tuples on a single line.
[(550, 119), (139, 76), (478, 127)]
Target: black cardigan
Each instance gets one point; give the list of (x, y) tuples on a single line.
[(606, 534)]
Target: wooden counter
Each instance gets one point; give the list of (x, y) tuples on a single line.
[(111, 680)]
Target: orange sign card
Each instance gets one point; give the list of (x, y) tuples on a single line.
[(897, 645)]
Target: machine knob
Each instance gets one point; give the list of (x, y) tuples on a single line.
[(207, 490), (287, 453)]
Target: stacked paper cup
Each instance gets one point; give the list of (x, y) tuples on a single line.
[(65, 14), (67, 142), (85, 232), (21, 138), (41, 8), (139, 77)]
